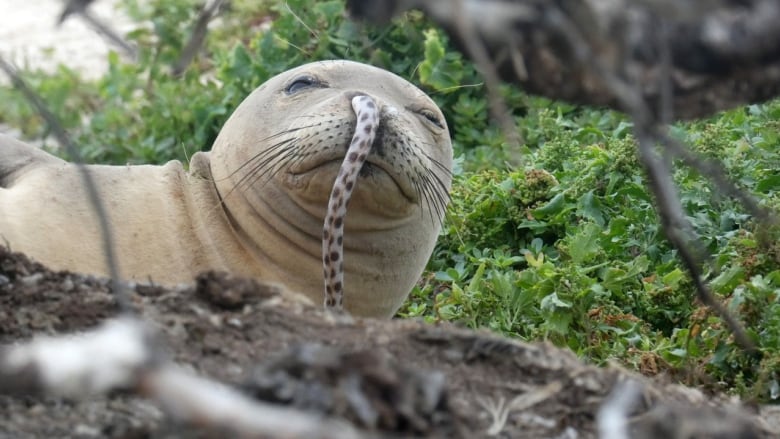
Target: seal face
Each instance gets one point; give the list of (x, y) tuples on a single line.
[(284, 171), (255, 205)]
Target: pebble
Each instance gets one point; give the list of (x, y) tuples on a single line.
[(32, 279), (67, 284)]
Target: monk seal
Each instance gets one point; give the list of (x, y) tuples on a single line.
[(256, 203)]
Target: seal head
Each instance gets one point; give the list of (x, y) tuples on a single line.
[(275, 163)]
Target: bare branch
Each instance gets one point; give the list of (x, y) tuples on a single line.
[(64, 140), (480, 56), (81, 8), (118, 355), (209, 12), (612, 418)]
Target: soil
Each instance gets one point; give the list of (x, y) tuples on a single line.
[(414, 379)]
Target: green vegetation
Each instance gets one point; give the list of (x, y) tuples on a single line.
[(556, 240)]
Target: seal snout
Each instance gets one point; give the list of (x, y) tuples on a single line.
[(384, 111)]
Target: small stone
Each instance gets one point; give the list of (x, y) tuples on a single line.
[(67, 284), (32, 279)]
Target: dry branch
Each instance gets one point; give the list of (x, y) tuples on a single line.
[(209, 11), (80, 8), (120, 356), (94, 198)]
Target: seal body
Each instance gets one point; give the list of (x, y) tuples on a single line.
[(256, 203), (166, 223)]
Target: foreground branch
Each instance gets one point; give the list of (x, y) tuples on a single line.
[(107, 235), (119, 356), (80, 8)]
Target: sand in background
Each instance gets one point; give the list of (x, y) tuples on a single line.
[(30, 37)]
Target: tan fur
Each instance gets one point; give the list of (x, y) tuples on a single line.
[(169, 224)]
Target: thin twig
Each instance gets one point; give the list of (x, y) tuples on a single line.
[(81, 8), (118, 288), (478, 53), (668, 205), (127, 360), (198, 36), (677, 229), (715, 171)]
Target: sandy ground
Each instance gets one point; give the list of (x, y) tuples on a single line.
[(30, 36)]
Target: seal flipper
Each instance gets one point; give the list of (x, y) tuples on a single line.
[(16, 157)]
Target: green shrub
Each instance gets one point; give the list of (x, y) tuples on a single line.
[(585, 264)]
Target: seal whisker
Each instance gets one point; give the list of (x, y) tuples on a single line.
[(266, 169), (427, 188), (438, 164), (270, 148), (260, 155), (418, 191), (440, 193), (301, 154), (441, 209), (281, 133), (261, 160), (429, 200), (440, 190), (272, 156)]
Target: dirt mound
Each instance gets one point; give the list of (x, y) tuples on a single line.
[(398, 378)]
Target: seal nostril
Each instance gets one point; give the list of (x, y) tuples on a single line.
[(352, 94)]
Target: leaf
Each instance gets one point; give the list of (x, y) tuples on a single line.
[(438, 70), (476, 280), (673, 278), (552, 302), (534, 261), (590, 207), (679, 352), (551, 207), (771, 183), (557, 316), (559, 322), (585, 244), (726, 281)]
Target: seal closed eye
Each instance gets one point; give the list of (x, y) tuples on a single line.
[(255, 204), (302, 82)]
